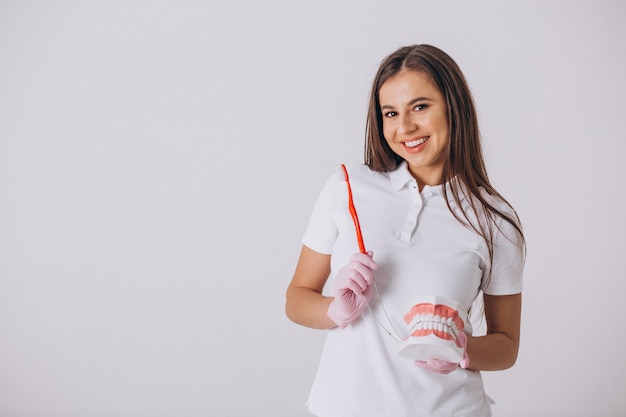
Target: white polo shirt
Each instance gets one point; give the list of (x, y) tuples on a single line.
[(421, 250)]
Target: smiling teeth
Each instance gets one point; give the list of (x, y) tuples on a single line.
[(417, 142)]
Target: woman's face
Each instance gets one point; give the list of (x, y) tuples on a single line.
[(415, 123)]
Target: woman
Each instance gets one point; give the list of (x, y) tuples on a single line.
[(434, 226)]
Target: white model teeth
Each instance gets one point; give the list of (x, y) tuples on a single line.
[(434, 322), (417, 142)]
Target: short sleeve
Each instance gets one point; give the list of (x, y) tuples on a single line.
[(322, 230), (508, 262)]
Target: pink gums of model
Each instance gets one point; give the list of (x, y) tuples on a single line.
[(433, 325)]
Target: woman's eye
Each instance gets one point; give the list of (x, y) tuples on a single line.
[(391, 114), (420, 107)]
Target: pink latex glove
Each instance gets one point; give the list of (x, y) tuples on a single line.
[(445, 367), (351, 289)]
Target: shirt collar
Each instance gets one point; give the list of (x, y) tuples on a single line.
[(401, 177)]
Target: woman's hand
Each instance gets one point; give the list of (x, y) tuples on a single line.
[(351, 289), (445, 367)]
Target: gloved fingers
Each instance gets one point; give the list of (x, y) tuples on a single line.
[(464, 362), (461, 340), (364, 259), (355, 273), (437, 365), (355, 277), (347, 307), (360, 274), (367, 294), (349, 286)]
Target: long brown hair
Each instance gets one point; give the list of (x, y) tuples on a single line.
[(464, 160)]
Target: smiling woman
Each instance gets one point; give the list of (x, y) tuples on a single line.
[(414, 114), (150, 220), (436, 230)]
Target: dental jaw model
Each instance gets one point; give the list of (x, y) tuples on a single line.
[(433, 325)]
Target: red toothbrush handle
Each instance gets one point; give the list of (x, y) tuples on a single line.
[(352, 210)]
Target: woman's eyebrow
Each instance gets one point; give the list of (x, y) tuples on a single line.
[(418, 99), (410, 103)]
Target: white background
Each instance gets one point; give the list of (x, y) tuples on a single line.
[(159, 161)]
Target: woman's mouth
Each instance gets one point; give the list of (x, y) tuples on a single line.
[(416, 142)]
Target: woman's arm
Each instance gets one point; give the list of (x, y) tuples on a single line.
[(498, 349), (305, 303)]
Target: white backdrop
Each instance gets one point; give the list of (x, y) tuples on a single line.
[(159, 161)]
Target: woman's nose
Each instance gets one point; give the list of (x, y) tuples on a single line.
[(407, 124)]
